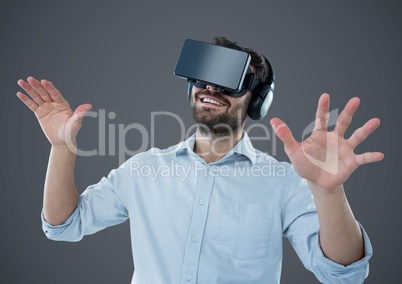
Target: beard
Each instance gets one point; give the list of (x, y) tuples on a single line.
[(219, 125)]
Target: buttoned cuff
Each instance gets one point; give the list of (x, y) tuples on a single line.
[(357, 270), (54, 231)]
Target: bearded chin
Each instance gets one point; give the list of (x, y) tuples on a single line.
[(219, 125)]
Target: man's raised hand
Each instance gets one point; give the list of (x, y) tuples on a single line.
[(326, 158), (59, 123)]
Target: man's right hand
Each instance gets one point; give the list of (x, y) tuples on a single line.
[(59, 123)]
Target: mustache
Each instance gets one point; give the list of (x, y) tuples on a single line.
[(216, 94)]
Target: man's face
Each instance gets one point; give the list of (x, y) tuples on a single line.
[(217, 113)]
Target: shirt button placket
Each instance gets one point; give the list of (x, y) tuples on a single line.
[(197, 227)]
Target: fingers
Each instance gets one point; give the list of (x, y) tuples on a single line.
[(321, 117), (363, 132), (39, 89), (366, 158), (359, 136), (31, 91), (52, 91), (40, 92), (284, 133), (345, 118), (27, 101)]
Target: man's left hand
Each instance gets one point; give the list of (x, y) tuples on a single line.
[(326, 158)]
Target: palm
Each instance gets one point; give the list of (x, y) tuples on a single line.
[(57, 120), (326, 158), (53, 118)]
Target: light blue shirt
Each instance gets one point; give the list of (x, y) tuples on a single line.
[(222, 222)]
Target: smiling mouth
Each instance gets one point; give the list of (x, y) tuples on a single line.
[(210, 101)]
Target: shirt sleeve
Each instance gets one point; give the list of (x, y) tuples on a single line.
[(99, 206), (301, 227)]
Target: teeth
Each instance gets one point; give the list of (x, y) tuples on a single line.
[(212, 102)]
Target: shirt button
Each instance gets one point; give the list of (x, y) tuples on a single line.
[(189, 277), (194, 239), (201, 201)]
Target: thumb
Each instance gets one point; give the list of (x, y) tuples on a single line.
[(284, 133), (75, 122), (82, 109)]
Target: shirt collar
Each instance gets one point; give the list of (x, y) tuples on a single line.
[(243, 147)]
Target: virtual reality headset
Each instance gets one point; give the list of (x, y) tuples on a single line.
[(227, 69)]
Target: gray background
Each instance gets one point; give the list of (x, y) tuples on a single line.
[(120, 57)]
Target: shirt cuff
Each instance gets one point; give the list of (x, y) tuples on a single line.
[(53, 232), (359, 267)]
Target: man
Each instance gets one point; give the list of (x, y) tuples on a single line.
[(221, 208)]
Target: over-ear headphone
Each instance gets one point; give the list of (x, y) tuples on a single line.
[(262, 94)]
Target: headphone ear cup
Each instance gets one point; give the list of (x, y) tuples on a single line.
[(262, 96), (269, 96), (189, 88), (260, 102)]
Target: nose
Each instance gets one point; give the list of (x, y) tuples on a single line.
[(210, 87)]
